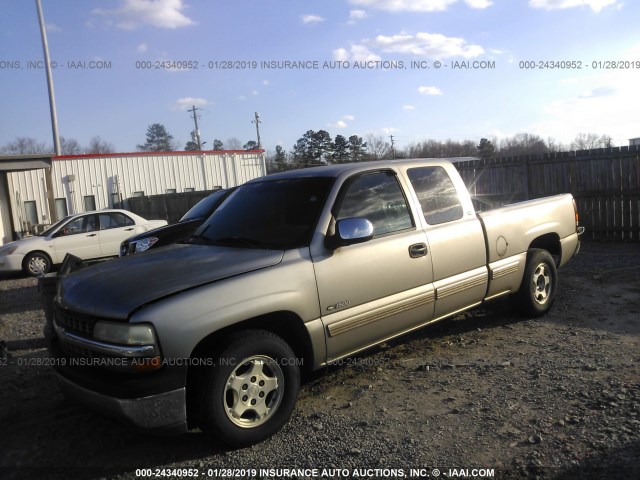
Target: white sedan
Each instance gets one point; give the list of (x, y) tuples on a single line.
[(88, 235)]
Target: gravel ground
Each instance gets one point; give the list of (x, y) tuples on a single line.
[(556, 397)]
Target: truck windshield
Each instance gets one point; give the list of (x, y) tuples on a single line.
[(278, 214)]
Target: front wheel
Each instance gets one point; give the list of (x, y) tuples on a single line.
[(251, 389), (36, 263), (538, 288)]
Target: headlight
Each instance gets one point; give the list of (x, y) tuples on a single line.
[(9, 249), (144, 244), (124, 333)]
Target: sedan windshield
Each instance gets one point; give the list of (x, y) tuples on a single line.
[(53, 227), (278, 214)]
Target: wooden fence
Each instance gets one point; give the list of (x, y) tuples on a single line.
[(170, 206), (604, 182)]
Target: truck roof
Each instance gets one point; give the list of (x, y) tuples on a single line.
[(335, 170)]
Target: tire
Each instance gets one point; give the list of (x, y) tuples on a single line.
[(36, 263), (251, 389), (538, 288)]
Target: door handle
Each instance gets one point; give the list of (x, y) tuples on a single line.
[(91, 235), (128, 229), (418, 250)]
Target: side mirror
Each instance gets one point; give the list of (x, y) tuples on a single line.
[(350, 231)]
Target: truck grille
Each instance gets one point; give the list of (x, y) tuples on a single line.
[(75, 322)]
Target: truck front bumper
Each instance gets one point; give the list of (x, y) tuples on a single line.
[(163, 413)]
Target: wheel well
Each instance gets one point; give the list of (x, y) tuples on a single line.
[(549, 242), (286, 325)]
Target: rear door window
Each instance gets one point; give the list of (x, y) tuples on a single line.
[(436, 193)]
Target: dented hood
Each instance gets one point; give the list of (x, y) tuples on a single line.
[(115, 288)]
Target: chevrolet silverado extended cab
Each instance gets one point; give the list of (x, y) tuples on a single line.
[(292, 272)]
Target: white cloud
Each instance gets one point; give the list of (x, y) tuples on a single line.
[(53, 28), (405, 5), (242, 98), (389, 130), (187, 102), (429, 90), (408, 108), (357, 14), (158, 13), (142, 48), (419, 5), (602, 91), (479, 4), (356, 53), (254, 92), (433, 45), (311, 18), (607, 105), (342, 123), (422, 44), (266, 82), (596, 5)]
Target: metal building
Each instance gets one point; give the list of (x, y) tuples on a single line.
[(82, 183)]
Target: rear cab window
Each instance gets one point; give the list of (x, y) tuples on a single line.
[(436, 193)]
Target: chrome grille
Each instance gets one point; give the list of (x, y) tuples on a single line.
[(75, 322)]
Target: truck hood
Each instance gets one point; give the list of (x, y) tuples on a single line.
[(115, 288)]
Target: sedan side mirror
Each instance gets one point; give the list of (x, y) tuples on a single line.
[(350, 231)]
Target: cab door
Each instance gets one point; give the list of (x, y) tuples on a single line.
[(374, 290), (456, 239)]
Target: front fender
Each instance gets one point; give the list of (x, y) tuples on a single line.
[(183, 320)]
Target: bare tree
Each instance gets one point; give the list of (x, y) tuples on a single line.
[(523, 144), (377, 147), (587, 141), (98, 145), (233, 143), (25, 145), (70, 146)]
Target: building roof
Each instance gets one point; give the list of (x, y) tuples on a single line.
[(148, 154), (15, 163)]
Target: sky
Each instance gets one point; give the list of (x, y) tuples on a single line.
[(414, 69)]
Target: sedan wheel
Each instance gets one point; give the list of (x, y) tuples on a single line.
[(36, 264)]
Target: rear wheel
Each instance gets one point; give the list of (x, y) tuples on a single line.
[(251, 390), (36, 263), (538, 289)]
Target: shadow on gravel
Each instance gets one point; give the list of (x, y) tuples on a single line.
[(621, 463)]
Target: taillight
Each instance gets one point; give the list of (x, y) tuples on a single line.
[(575, 209)]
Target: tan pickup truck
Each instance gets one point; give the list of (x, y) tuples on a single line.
[(292, 272)]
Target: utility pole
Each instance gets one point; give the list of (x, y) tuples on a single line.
[(258, 122), (393, 150), (47, 67), (196, 131), (52, 108)]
